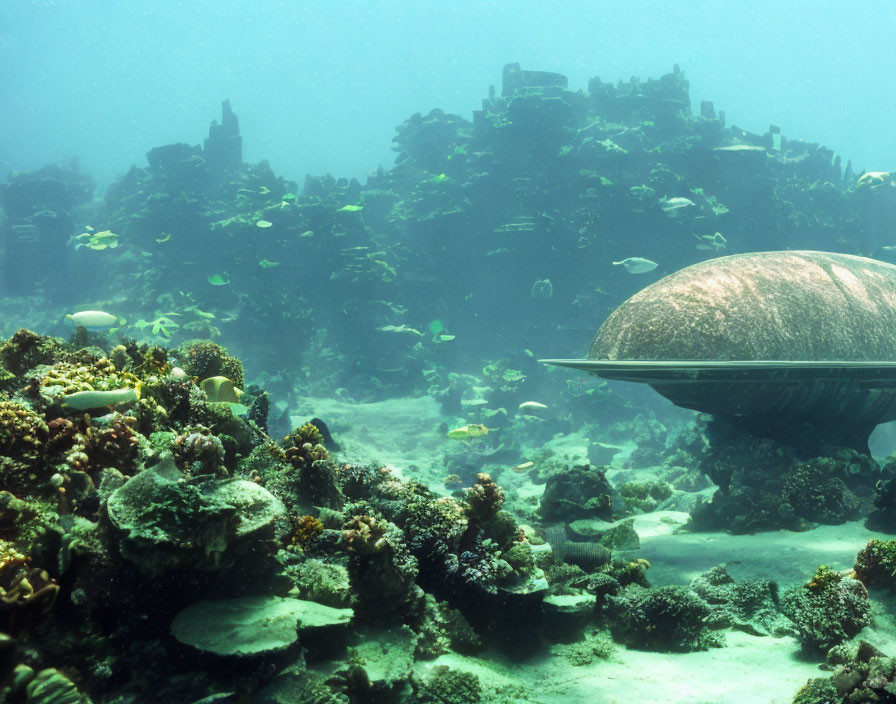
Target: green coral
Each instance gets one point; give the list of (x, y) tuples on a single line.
[(501, 377), (828, 610), (26, 350), (596, 644), (644, 496), (876, 564), (447, 686), (664, 619), (205, 359)]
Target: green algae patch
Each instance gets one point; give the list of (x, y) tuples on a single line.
[(252, 625)]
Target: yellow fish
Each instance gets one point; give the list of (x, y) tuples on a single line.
[(465, 432), (523, 467), (220, 389)]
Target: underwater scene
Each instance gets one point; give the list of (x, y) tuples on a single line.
[(573, 391)]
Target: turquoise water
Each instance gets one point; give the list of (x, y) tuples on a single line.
[(276, 285)]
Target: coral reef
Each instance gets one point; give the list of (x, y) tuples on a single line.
[(751, 605), (668, 619), (830, 609), (115, 522), (764, 485), (446, 686), (861, 674), (876, 564), (580, 492), (205, 360), (197, 451)]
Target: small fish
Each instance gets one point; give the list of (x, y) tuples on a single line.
[(716, 241), (86, 400), (218, 279), (532, 405), (220, 389), (676, 206), (637, 265), (465, 432), (875, 179), (165, 236), (522, 467), (93, 319), (264, 224), (400, 329)]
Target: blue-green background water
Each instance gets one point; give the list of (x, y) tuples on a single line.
[(319, 86)]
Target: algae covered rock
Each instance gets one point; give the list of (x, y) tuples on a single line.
[(749, 605), (862, 673), (252, 625), (580, 492), (166, 521), (384, 658)]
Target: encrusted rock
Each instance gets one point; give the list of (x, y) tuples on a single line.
[(167, 521)]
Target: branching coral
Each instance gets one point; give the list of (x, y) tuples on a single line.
[(433, 525), (23, 436), (305, 445), (364, 535), (115, 444)]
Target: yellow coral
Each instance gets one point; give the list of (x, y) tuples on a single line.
[(306, 530), (22, 431), (102, 375)]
